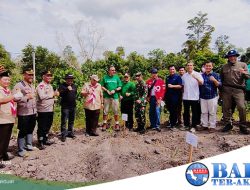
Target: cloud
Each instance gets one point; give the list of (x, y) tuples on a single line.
[(141, 25)]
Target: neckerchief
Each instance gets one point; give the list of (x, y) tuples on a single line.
[(12, 103)]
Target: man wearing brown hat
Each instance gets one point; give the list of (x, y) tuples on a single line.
[(233, 76), (68, 91), (45, 109), (26, 112)]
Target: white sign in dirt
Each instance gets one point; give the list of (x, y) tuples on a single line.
[(125, 117), (192, 139)]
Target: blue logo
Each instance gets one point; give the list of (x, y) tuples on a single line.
[(197, 174)]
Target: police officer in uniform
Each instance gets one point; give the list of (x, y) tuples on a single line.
[(45, 107), (140, 103), (233, 76), (26, 112)]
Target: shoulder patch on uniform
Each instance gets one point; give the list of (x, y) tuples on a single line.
[(41, 86)]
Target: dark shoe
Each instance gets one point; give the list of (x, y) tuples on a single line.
[(244, 130), (212, 130), (227, 128), (104, 126), (158, 129), (2, 165), (63, 138), (142, 131), (71, 135), (8, 156), (137, 130), (117, 127), (49, 142), (94, 134), (41, 146)]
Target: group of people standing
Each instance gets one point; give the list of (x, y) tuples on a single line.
[(188, 88)]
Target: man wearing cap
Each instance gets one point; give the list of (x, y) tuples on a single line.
[(127, 100), (156, 91), (111, 85), (68, 92), (141, 92), (92, 91), (26, 112), (45, 109), (7, 113), (233, 76)]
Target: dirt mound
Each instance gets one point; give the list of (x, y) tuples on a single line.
[(117, 155)]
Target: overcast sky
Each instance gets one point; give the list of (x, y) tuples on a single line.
[(137, 25)]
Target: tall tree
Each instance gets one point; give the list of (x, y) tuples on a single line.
[(222, 45), (199, 36), (43, 57), (246, 56)]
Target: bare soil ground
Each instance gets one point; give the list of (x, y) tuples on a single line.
[(117, 155)]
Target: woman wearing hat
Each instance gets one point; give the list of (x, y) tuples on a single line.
[(7, 113), (92, 91)]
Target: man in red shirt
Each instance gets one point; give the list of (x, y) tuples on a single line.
[(156, 91)]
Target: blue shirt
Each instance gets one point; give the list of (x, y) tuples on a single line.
[(208, 90), (173, 94)]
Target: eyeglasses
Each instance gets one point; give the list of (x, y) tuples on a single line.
[(125, 76), (112, 70)]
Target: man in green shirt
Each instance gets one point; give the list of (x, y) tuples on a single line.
[(127, 100), (111, 85)]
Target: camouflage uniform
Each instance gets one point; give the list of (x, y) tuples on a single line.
[(141, 94)]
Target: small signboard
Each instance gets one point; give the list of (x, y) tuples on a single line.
[(191, 139), (124, 117)]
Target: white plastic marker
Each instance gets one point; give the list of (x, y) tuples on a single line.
[(192, 140), (124, 118)]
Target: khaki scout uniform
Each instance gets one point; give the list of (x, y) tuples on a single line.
[(45, 107), (7, 118), (233, 86), (26, 112)]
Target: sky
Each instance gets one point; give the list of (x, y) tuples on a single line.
[(137, 25)]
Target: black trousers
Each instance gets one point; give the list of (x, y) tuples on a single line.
[(68, 114), (172, 106), (5, 134), (91, 119), (196, 112), (127, 107), (45, 120), (26, 125)]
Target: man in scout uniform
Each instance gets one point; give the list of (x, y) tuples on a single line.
[(111, 86), (233, 76), (26, 112), (127, 100), (141, 92), (7, 113), (45, 108)]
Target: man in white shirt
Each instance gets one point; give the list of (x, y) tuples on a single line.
[(191, 81)]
